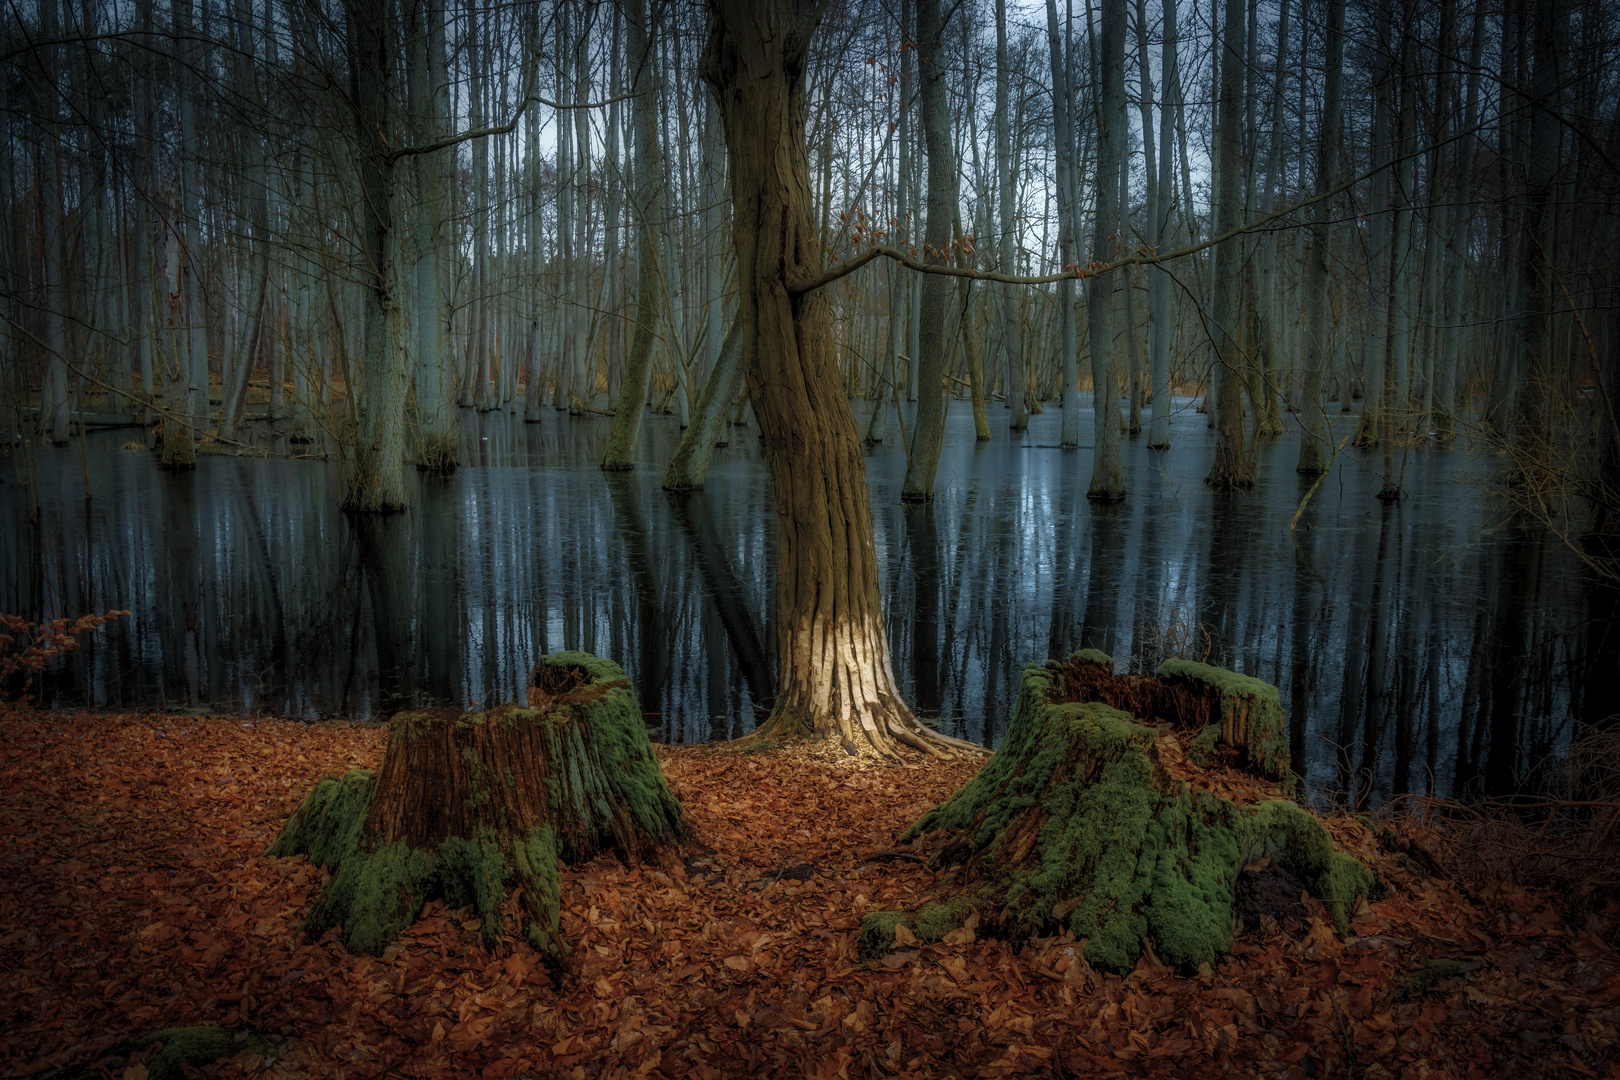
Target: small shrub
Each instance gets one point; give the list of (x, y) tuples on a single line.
[(26, 647)]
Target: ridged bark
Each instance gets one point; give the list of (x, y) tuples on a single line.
[(835, 679), (1232, 467), (649, 211)]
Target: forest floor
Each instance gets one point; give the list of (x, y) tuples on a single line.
[(135, 895)]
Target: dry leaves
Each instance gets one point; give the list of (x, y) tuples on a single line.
[(134, 895)]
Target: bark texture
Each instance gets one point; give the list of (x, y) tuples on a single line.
[(468, 806), (651, 209), (1073, 824), (835, 677), (1232, 467)]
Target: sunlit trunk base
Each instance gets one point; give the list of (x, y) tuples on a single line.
[(843, 691)]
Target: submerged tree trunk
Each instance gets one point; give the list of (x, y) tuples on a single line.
[(1159, 278), (1319, 337), (649, 212), (928, 434), (467, 806), (375, 462), (835, 679), (689, 465), (1232, 466), (1107, 470), (1012, 354), (1063, 133), (1076, 823)]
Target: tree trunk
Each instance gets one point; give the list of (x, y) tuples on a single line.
[(1006, 194), (469, 805), (1079, 823), (1232, 466), (1107, 470), (1158, 277), (1319, 336), (1063, 134), (836, 683), (375, 465), (928, 433), (650, 210), (689, 465)]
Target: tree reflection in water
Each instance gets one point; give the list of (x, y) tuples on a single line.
[(1424, 645)]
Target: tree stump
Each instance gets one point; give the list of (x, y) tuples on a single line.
[(1073, 824), (1216, 706), (470, 805)]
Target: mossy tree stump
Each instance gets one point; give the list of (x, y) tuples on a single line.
[(468, 806), (1073, 824), (1213, 705)]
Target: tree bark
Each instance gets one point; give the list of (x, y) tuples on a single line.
[(1319, 336), (650, 210), (375, 473), (1232, 467), (1107, 470), (1063, 133), (928, 433), (1012, 354), (836, 682), (1158, 277)]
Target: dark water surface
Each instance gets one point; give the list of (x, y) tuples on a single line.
[(1421, 646)]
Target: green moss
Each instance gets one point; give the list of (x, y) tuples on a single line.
[(877, 933), (195, 1046), (1094, 656), (1427, 977), (930, 922), (1254, 705), (606, 791), (1201, 751), (1073, 824), (328, 826)]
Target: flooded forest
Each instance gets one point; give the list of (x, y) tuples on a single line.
[(360, 353)]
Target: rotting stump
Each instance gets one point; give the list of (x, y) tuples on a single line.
[(468, 807), (1073, 824)]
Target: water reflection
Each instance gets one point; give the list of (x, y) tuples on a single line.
[(1419, 645)]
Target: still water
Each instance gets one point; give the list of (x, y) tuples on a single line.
[(1422, 646)]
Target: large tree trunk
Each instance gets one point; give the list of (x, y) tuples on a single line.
[(1232, 467), (467, 806), (375, 467), (437, 421), (650, 210), (1078, 823), (836, 683)]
